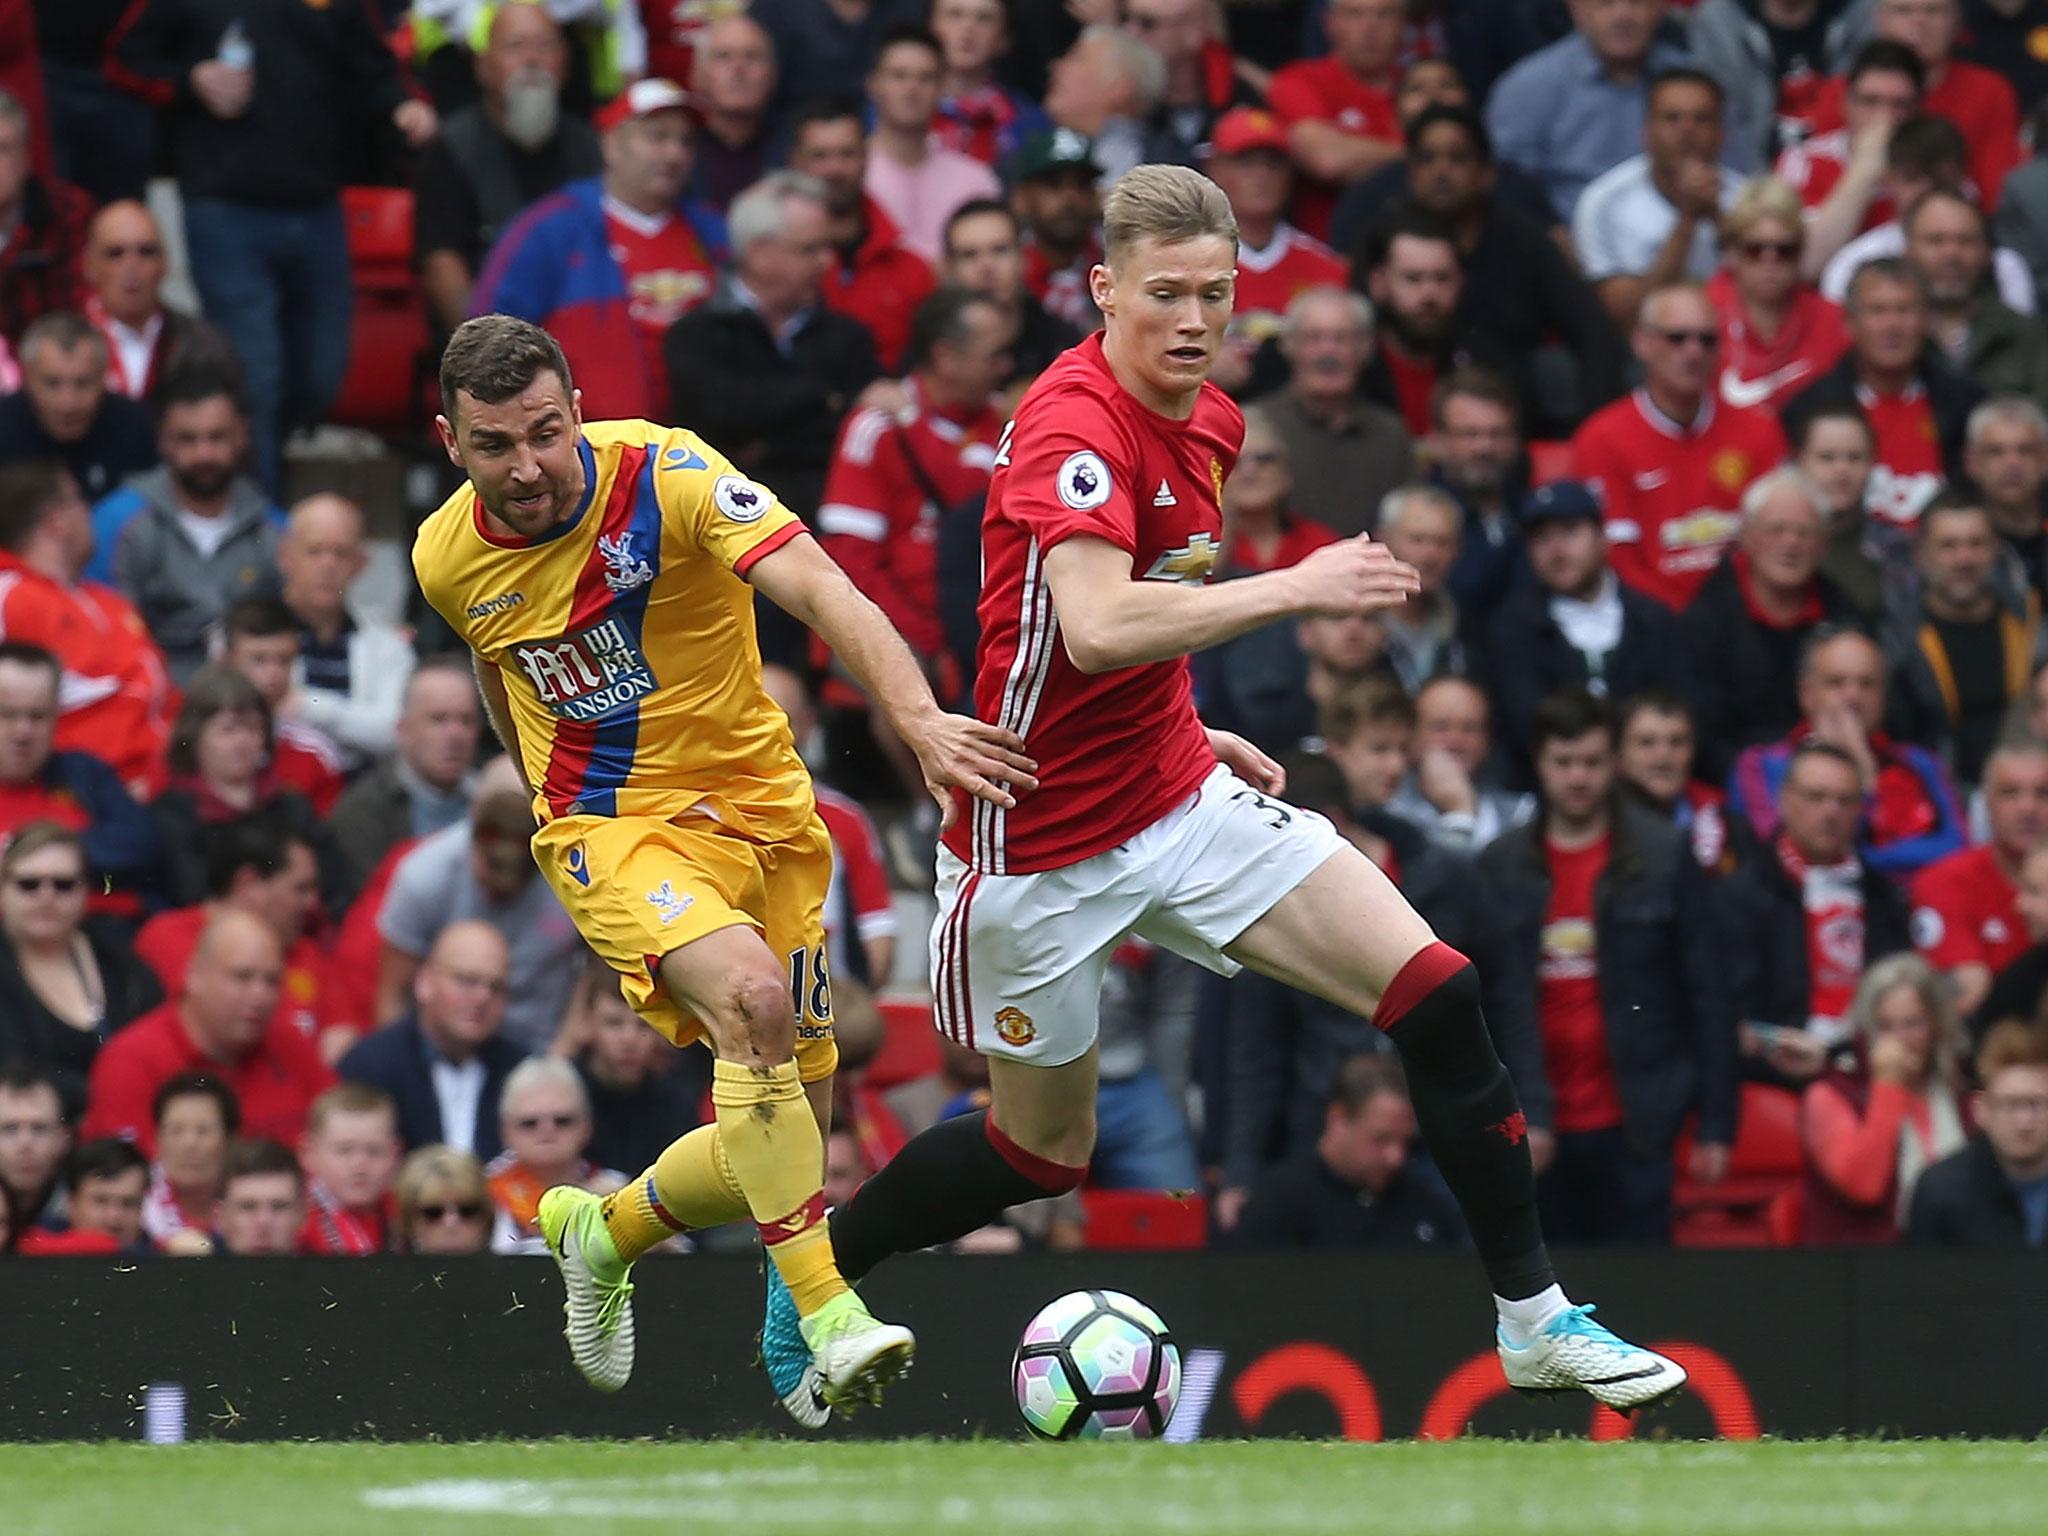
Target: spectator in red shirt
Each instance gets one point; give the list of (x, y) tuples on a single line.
[(1777, 333), (1977, 100), (1339, 109), (1657, 746), (1261, 531), (893, 476), (732, 80), (985, 254), (117, 695), (1052, 182), (350, 1154), (1966, 907), (260, 639), (262, 1201), (46, 222), (1669, 463), (979, 115), (874, 278), (1248, 159), (1840, 176), (1887, 1107), (196, 1118), (220, 771), (225, 1022)]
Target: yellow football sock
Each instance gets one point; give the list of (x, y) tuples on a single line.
[(690, 1187), (771, 1137)]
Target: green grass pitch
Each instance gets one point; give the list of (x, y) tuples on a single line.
[(1270, 1488)]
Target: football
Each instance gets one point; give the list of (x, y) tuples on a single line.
[(1097, 1365)]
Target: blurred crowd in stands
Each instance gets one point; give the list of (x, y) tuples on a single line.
[(1692, 353)]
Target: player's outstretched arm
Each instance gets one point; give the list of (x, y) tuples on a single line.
[(955, 751), (1108, 620), (491, 683)]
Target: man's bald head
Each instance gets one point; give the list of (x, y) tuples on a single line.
[(124, 262), (460, 990), (231, 987), (320, 557)]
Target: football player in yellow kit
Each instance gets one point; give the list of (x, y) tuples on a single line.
[(603, 574)]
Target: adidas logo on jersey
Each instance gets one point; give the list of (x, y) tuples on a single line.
[(1164, 497)]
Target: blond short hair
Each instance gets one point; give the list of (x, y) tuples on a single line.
[(349, 1099), (1759, 199), (1167, 203)]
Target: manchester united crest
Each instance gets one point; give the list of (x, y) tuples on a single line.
[(1014, 1026)]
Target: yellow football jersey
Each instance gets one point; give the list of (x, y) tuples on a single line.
[(626, 635)]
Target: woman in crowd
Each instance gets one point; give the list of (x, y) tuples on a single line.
[(1260, 532), (196, 1118), (1836, 449), (1869, 1127), (545, 1116), (443, 1206), (1778, 334), (67, 981), (220, 770)]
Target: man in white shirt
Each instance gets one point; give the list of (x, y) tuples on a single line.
[(123, 266)]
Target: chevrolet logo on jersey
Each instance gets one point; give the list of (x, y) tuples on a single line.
[(590, 675), (1189, 565), (1702, 527)]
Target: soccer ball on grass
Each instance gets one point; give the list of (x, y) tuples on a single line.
[(1097, 1365)]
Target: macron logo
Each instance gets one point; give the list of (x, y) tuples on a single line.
[(504, 603)]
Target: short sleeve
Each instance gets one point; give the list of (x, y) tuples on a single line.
[(1593, 232), (414, 909), (1060, 478), (717, 509), (1942, 931), (1294, 98)]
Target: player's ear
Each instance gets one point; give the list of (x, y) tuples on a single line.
[(576, 409), (446, 428), (1101, 286)]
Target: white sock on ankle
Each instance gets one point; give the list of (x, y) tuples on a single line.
[(1522, 1320)]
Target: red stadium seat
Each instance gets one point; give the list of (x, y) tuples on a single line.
[(910, 1049), (1143, 1218), (388, 336), (1765, 1164)]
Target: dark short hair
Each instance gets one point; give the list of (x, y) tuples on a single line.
[(1825, 635), (246, 1159), (975, 208), (1374, 701), (258, 618), (1474, 381), (1950, 500), (1825, 750), (198, 1085), (1882, 269), (1882, 55), (106, 1157), (22, 654), (1799, 425), (942, 318), (1685, 74), (493, 357), (1569, 714), (195, 384), (914, 32), (261, 841), (1362, 1078), (1466, 118), (1316, 784), (27, 1077), (1411, 223), (832, 107), (1926, 145), (217, 690), (1651, 701), (28, 490), (1948, 195)]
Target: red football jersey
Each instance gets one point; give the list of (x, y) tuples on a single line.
[(858, 903), (1977, 100), (1966, 911), (1814, 169), (878, 518), (667, 270), (304, 1001), (1118, 750), (1909, 469), (1269, 278), (1064, 290), (1672, 494), (1323, 90), (1759, 372)]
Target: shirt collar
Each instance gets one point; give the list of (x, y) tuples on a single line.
[(1669, 428), (785, 335), (645, 225)]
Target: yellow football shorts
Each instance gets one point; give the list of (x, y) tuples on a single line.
[(638, 888)]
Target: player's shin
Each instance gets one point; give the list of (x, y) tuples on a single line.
[(1466, 1107), (952, 1179), (770, 1138), (690, 1187)]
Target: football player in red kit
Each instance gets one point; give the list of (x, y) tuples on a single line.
[(1103, 520)]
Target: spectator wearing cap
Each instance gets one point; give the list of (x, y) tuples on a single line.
[(423, 785), (1108, 87), (1908, 811), (192, 538), (985, 254), (64, 411), (146, 342), (1249, 160), (503, 153), (1658, 742), (874, 277), (46, 220), (1967, 913), (224, 1023), (1948, 246), (1347, 451), (1777, 333), (1575, 625), (1475, 453), (1669, 463), (1052, 180), (732, 84), (915, 179), (978, 115), (1745, 628), (607, 265), (1614, 969), (766, 370), (1774, 60), (1918, 407), (1841, 176), (116, 701), (2005, 456), (1653, 219), (1574, 110), (1994, 1192), (262, 146), (825, 45), (1339, 109)]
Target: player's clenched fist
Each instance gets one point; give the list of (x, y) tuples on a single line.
[(958, 751), (1353, 576)]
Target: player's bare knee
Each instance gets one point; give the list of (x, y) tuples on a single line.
[(753, 1022)]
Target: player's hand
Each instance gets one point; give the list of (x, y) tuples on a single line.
[(960, 752), (223, 89), (1248, 762), (1353, 576), (1709, 1162)]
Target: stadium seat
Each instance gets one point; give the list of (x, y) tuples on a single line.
[(1143, 1218), (910, 1049), (1765, 1163), (388, 336)]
